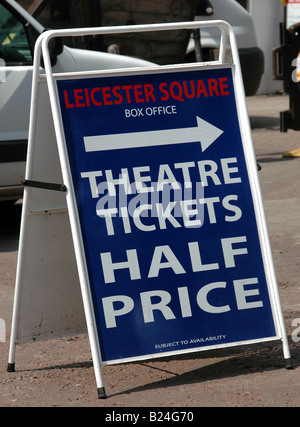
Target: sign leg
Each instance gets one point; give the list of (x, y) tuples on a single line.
[(289, 363), (14, 327), (285, 345), (12, 345), (97, 366), (101, 393), (11, 367), (18, 290), (287, 354)]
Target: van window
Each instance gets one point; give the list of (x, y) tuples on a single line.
[(14, 43)]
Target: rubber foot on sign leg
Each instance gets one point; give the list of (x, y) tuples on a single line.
[(101, 393), (289, 364), (11, 367)]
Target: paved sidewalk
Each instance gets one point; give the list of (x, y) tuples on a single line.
[(280, 188)]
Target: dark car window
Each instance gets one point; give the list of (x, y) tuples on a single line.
[(14, 43)]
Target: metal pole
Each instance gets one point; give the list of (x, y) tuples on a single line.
[(74, 220), (28, 173)]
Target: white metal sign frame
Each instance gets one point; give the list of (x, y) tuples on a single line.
[(42, 50)]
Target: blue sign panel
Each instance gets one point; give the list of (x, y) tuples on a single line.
[(166, 212)]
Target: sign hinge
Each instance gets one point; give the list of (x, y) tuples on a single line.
[(44, 185)]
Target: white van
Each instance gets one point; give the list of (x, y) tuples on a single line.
[(251, 56), (18, 34)]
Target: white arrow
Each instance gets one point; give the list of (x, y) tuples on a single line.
[(204, 132)]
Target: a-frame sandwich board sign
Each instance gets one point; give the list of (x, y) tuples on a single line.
[(143, 221)]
